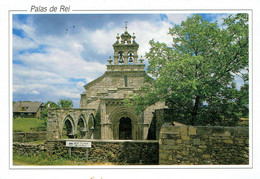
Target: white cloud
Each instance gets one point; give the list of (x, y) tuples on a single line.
[(68, 94), (177, 18), (35, 92), (27, 27), (49, 73), (146, 31), (219, 18), (20, 44)]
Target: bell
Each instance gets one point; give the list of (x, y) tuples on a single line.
[(121, 60), (131, 59)]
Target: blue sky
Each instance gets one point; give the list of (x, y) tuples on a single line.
[(55, 55)]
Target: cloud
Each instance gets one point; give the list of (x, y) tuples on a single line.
[(20, 44), (177, 18), (35, 92), (53, 49), (80, 53)]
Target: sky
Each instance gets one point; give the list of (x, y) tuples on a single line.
[(55, 55)]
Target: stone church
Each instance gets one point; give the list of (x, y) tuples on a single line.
[(102, 113)]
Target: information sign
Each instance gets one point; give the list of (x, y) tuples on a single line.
[(78, 144)]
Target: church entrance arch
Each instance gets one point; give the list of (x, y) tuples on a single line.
[(125, 128), (124, 124)]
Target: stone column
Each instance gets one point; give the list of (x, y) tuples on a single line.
[(115, 58), (53, 131), (103, 119), (115, 130), (135, 57), (125, 57), (145, 129)]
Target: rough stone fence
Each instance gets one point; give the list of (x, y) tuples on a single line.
[(203, 145), (28, 149), (124, 152), (28, 136)]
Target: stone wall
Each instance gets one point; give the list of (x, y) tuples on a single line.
[(116, 151), (203, 145), (28, 149), (28, 136)]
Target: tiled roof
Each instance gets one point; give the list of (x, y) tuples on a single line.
[(31, 107)]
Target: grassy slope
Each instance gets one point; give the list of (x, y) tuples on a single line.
[(26, 124)]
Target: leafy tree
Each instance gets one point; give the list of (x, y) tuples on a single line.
[(196, 76), (65, 103), (44, 113)]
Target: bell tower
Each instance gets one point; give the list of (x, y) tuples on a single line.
[(125, 53)]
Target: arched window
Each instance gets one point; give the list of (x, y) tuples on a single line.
[(121, 57), (91, 122), (130, 57), (91, 126), (81, 128), (68, 128)]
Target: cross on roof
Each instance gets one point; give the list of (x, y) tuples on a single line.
[(126, 26)]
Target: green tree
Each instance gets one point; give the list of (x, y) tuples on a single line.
[(44, 113), (196, 76), (65, 103)]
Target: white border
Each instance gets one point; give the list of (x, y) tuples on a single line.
[(140, 166), (6, 173)]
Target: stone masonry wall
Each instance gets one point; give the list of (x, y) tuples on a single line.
[(117, 151), (28, 149), (28, 136), (203, 145)]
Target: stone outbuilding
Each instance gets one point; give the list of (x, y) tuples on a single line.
[(27, 109), (102, 113)]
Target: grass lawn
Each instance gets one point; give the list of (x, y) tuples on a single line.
[(26, 124)]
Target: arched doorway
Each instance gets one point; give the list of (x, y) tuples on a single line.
[(125, 128)]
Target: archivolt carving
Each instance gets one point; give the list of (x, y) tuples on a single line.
[(120, 112)]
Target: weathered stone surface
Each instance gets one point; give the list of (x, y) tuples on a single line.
[(118, 151), (183, 130), (28, 136), (184, 137), (28, 149), (224, 131), (228, 141), (196, 141), (203, 131), (210, 145), (192, 130)]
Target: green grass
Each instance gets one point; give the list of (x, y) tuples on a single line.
[(26, 124), (46, 160)]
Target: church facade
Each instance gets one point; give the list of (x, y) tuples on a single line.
[(102, 113)]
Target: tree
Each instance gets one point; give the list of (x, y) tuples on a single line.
[(196, 76), (44, 113), (65, 103), (62, 103)]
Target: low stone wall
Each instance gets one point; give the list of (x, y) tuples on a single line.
[(28, 136), (28, 149), (203, 145), (119, 151)]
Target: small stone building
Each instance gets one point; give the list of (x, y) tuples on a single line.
[(27, 109), (102, 114)]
